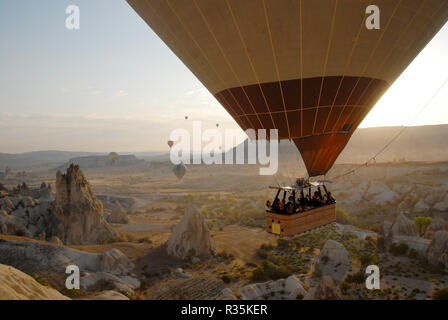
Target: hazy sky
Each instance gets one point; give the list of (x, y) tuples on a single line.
[(114, 85)]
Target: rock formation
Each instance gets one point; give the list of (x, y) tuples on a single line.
[(109, 295), (6, 204), (226, 294), (283, 289), (333, 261), (16, 285), (404, 231), (325, 290), (118, 215), (77, 216), (12, 226), (190, 237), (402, 226), (36, 257), (436, 225), (438, 249)]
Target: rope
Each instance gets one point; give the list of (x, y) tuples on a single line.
[(373, 158)]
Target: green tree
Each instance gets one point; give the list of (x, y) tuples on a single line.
[(342, 216), (422, 224)]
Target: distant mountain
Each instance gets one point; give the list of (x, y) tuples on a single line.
[(101, 161), (29, 160), (419, 143)]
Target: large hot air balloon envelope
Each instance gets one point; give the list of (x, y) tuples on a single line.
[(309, 68)]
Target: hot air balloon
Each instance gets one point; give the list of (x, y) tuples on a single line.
[(179, 170), (311, 69), (113, 156), (217, 125), (186, 117), (170, 143)]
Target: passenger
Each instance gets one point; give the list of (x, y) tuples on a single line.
[(315, 201), (308, 200), (282, 205), (291, 199), (302, 200), (289, 208), (331, 199), (298, 207), (276, 205), (268, 205)]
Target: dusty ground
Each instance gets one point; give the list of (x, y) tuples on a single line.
[(232, 201)]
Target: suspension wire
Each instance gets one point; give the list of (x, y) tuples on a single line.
[(373, 158)]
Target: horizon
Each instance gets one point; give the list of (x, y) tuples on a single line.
[(167, 151)]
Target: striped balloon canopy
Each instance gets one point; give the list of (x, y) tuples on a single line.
[(310, 68)]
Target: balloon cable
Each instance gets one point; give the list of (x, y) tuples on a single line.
[(373, 158)]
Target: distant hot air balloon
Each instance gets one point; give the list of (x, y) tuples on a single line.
[(179, 170), (113, 156), (186, 117), (311, 69), (170, 143), (217, 125)]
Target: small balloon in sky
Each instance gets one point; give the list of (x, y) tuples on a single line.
[(113, 156), (179, 170)]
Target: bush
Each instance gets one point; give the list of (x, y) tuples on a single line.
[(344, 287), (441, 294), (226, 278), (228, 256), (283, 243), (367, 259), (357, 278), (342, 216), (422, 224), (73, 293), (399, 250), (41, 280), (269, 271)]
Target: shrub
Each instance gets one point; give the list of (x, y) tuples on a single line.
[(283, 243), (422, 224), (441, 294), (342, 216), (367, 259), (399, 250), (73, 293), (262, 253), (228, 256), (226, 278), (269, 271), (413, 254), (344, 287), (357, 278), (41, 280)]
